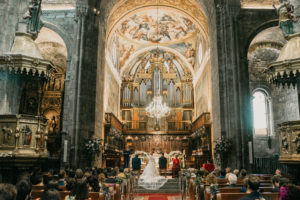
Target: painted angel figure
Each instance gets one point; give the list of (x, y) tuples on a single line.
[(286, 16)]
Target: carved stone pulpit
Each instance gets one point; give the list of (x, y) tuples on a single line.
[(289, 138), (23, 136)]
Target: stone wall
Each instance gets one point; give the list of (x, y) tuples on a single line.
[(112, 95), (203, 93)]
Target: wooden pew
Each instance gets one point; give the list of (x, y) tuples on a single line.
[(237, 190), (237, 196), (192, 189), (37, 194), (37, 187)]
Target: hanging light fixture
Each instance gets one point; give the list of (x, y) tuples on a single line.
[(157, 109)]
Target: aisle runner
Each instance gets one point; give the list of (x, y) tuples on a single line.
[(157, 197)]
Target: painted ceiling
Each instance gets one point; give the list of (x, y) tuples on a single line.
[(157, 26), (179, 27)]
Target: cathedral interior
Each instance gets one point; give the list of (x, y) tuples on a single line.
[(150, 77)]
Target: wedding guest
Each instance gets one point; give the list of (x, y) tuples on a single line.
[(175, 167), (7, 191), (278, 172), (236, 172), (228, 172), (253, 187), (80, 191), (51, 194), (162, 164), (111, 178), (121, 173), (222, 174), (275, 183), (243, 174), (136, 164), (24, 188), (232, 179)]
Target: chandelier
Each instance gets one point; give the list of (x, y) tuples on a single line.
[(157, 109)]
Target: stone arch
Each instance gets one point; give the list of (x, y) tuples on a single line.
[(256, 31), (62, 33)]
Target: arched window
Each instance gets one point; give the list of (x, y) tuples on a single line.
[(262, 120)]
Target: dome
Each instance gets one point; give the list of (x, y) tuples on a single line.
[(25, 45), (291, 50), (272, 37)]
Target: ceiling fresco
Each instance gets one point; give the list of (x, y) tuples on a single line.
[(157, 26), (136, 27)]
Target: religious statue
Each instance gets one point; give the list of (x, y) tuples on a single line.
[(297, 141), (27, 135), (7, 133), (32, 17), (52, 125), (286, 16), (284, 142)]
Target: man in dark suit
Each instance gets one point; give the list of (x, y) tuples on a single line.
[(162, 162), (136, 164)]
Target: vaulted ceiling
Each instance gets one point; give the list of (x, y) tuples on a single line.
[(177, 27)]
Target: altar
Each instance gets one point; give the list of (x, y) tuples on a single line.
[(144, 156)]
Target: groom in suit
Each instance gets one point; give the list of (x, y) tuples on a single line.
[(136, 164), (162, 162)]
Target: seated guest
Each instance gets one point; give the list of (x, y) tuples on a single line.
[(79, 174), (243, 174), (61, 178), (93, 184), (51, 194), (24, 188), (294, 192), (253, 187), (222, 174), (236, 172), (53, 184), (278, 172), (7, 191), (80, 191), (212, 189), (217, 172), (275, 182), (232, 179), (283, 188), (245, 186), (37, 178), (228, 172), (111, 178)]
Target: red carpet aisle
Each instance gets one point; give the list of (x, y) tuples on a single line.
[(157, 197)]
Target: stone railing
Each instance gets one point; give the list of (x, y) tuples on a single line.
[(289, 139), (23, 136)]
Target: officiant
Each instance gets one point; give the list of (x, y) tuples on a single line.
[(126, 155)]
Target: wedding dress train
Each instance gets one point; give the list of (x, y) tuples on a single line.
[(150, 179)]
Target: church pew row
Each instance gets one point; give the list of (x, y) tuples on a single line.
[(238, 189), (237, 196), (37, 194)]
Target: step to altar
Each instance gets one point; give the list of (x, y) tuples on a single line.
[(172, 186)]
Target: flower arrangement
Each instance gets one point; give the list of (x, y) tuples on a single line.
[(213, 190), (222, 145), (93, 146)]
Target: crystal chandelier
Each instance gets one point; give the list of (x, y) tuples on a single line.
[(157, 109)]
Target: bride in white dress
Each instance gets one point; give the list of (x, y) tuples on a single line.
[(150, 179)]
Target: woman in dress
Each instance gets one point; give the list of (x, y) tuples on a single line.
[(150, 179), (176, 167)]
